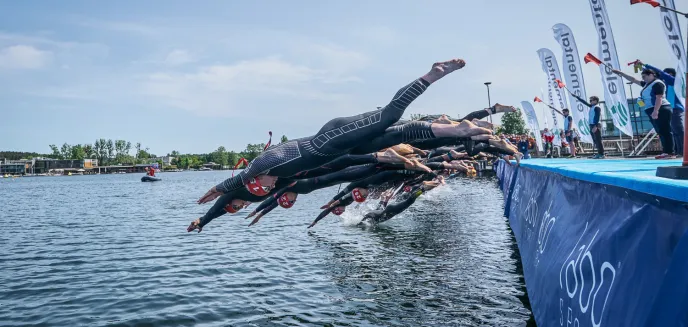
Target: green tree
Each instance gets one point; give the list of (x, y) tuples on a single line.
[(513, 123), (284, 139), (65, 151), (88, 150), (77, 152), (120, 147), (174, 153), (252, 151), (138, 150), (110, 147), (55, 150), (219, 156), (100, 149), (232, 158)]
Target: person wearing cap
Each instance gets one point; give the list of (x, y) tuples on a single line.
[(656, 106), (668, 76)]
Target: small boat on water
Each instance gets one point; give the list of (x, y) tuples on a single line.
[(150, 179)]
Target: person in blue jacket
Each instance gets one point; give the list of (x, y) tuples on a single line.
[(594, 121), (523, 146), (668, 76)]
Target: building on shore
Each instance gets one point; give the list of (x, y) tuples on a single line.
[(166, 160)]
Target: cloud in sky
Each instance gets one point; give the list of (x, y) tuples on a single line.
[(200, 68), (23, 57)]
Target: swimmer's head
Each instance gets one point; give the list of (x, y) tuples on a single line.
[(407, 188), (339, 210), (360, 194), (261, 185), (287, 199), (565, 111), (236, 205), (594, 100)]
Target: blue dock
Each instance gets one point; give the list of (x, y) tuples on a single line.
[(602, 242)]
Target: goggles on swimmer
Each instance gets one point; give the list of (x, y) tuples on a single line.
[(255, 188), (338, 211), (233, 208), (284, 201), (358, 196)]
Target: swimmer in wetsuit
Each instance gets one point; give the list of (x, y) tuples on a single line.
[(336, 138), (286, 197), (231, 203), (379, 216)]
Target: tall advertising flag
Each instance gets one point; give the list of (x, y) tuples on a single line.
[(531, 120), (551, 68), (673, 34), (573, 75), (614, 90)]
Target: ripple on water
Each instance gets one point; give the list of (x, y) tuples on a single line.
[(111, 251)]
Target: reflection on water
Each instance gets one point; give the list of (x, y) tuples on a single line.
[(110, 250)]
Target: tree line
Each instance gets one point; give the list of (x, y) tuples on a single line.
[(114, 152)]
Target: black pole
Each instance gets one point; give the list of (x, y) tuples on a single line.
[(635, 121), (489, 102)]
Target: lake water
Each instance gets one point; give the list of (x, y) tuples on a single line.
[(109, 250)]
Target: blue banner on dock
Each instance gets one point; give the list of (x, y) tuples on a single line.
[(597, 255)]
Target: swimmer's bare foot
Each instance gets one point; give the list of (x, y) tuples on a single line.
[(483, 137), (468, 129), (421, 153), (441, 69), (502, 145), (458, 155), (195, 226), (442, 120), (391, 156), (482, 123), (518, 156), (416, 165)]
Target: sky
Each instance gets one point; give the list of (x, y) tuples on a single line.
[(177, 75)]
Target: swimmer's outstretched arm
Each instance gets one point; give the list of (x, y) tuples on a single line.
[(265, 211)]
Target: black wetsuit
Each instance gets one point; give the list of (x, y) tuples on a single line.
[(478, 114), (335, 138), (379, 216), (403, 133), (308, 185), (218, 209), (379, 179), (343, 202), (338, 164)]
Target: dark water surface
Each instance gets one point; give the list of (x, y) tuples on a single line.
[(109, 250)]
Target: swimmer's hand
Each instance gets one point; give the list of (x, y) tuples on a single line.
[(212, 194), (329, 204), (255, 220), (195, 225), (253, 213)]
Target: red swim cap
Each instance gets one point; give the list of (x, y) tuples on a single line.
[(338, 210), (232, 208), (284, 201), (358, 196), (407, 188), (255, 188)]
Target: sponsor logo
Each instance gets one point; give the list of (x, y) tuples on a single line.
[(584, 285)]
